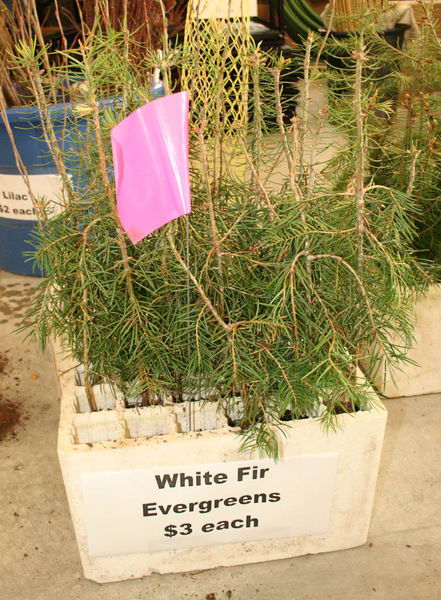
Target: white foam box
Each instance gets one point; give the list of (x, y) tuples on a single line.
[(423, 374), (178, 502)]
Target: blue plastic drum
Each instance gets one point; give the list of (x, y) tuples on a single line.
[(17, 217)]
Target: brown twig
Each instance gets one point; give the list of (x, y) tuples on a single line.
[(257, 179), (279, 115), (211, 213), (196, 283), (361, 152)]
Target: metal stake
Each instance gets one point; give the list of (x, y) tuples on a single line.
[(190, 424)]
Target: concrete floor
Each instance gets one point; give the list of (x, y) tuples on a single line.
[(38, 554)]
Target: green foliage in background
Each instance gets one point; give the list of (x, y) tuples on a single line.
[(403, 122), (414, 163)]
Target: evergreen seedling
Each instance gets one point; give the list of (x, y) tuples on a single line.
[(288, 269)]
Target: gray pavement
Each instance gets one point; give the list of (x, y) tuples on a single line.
[(38, 554)]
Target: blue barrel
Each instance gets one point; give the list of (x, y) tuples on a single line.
[(17, 221), (17, 218)]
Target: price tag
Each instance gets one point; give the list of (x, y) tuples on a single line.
[(183, 506), (15, 201)]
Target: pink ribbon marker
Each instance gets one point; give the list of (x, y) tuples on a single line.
[(150, 157)]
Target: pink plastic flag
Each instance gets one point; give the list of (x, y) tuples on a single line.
[(150, 157)]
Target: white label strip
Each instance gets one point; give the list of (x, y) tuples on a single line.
[(176, 507), (15, 201)]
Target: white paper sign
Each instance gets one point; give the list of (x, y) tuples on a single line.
[(15, 202), (182, 506)]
